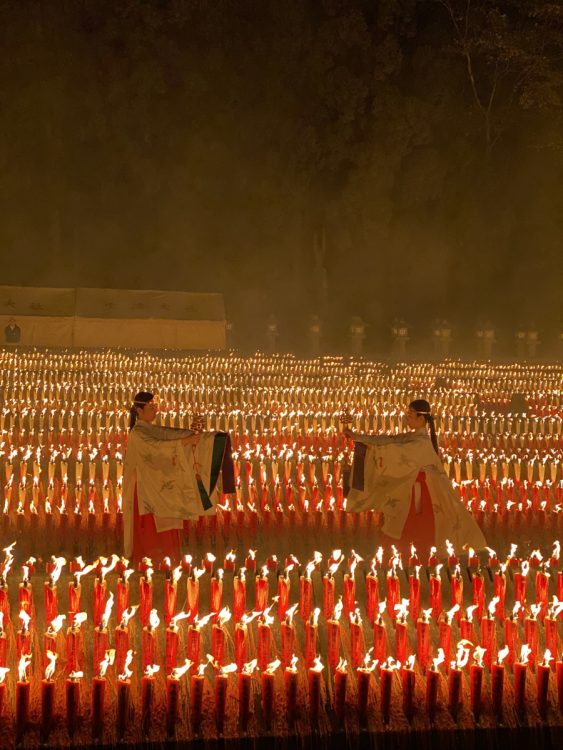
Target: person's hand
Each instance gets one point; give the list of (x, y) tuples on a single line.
[(190, 440)]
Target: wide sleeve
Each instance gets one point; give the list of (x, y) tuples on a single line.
[(156, 433), (382, 439)]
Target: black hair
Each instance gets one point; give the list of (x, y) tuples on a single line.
[(422, 407), (141, 399)]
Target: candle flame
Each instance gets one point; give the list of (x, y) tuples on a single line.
[(3, 672), (451, 612), (502, 654), (23, 664), (107, 661), (555, 609), (176, 574), (293, 664), (272, 666), (426, 613), (309, 569), (493, 605), (469, 612), (151, 670), (79, 618), (201, 622), (478, 655), (228, 668), (59, 563), (178, 672), (56, 624), (127, 673), (390, 664), (127, 615), (75, 676), (410, 662), (517, 607), (315, 616), (438, 660), (50, 668), (249, 667), (25, 618), (224, 616), (547, 657), (462, 654), (450, 549), (337, 612), (436, 572), (525, 568), (107, 611), (180, 616), (342, 665), (154, 619), (318, 665), (84, 571), (535, 610), (525, 652)]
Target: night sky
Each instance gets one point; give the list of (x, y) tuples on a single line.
[(333, 156)]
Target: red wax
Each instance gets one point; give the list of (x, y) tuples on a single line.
[(25, 597), (4, 601), (542, 592), (122, 598), (476, 686), (340, 683), (478, 585), (559, 676), (414, 597), (542, 684), (216, 596), (466, 630), (500, 591), (432, 682), (261, 593), (240, 645), (72, 706), (457, 595), (489, 640), (290, 681), (363, 694), (264, 645), (372, 596), (531, 637), (379, 642), (393, 595), (445, 639), (47, 708), (101, 645), (22, 706), (454, 691), (283, 596), (221, 685), (328, 596), (123, 698), (72, 649), (435, 596), (218, 644), (305, 598), (100, 594), (193, 647), (520, 585), (356, 644), (268, 696), (386, 683), (287, 643), (349, 598), (145, 606), (98, 706), (520, 688), (239, 598), (50, 602), (408, 684), (423, 643), (170, 594), (121, 643), (244, 699), (170, 648), (172, 702), (310, 643), (550, 626), (333, 639), (314, 680), (148, 647), (49, 644), (497, 688), (196, 701), (74, 597)]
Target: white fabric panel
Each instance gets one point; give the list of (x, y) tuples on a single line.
[(37, 301), (146, 303), (150, 334), (41, 330)]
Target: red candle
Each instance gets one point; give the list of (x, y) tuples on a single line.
[(401, 639), (217, 593), (510, 637), (193, 646), (520, 670), (466, 629), (457, 592), (363, 675), (25, 595), (170, 596), (290, 684), (305, 596), (500, 592), (531, 633), (349, 597), (356, 639), (454, 691), (268, 693), (372, 595), (393, 593), (432, 683), (145, 597), (240, 644), (478, 585), (4, 645), (264, 644), (218, 638), (436, 592), (22, 697), (333, 638), (311, 633), (239, 597), (244, 693), (476, 683), (559, 675), (423, 639), (148, 642), (221, 685), (100, 593), (550, 627), (123, 705), (445, 637), (171, 639), (379, 637), (122, 594), (328, 595), (340, 684), (172, 703), (73, 702), (50, 601), (520, 586), (287, 631), (414, 594), (542, 684), (488, 637), (283, 595), (147, 699), (386, 675), (314, 682), (497, 685), (408, 685), (73, 643), (261, 591), (47, 707), (74, 598)]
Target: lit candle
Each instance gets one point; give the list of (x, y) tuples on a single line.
[(264, 638), (123, 593), (372, 593), (147, 698), (173, 697), (476, 682), (414, 593), (455, 678), (531, 632), (244, 693), (73, 702), (99, 695), (423, 639), (22, 695), (497, 684), (218, 636), (148, 643), (363, 675), (290, 684), (145, 596), (23, 637), (520, 586), (520, 669), (408, 686), (221, 685), (386, 675), (314, 682), (393, 587), (268, 692), (333, 635), (287, 632), (50, 638), (466, 628), (216, 593), (542, 683), (74, 652), (488, 633), (241, 649), (478, 586), (48, 697), (435, 584), (124, 697), (432, 683), (239, 596), (3, 672), (499, 590), (445, 632), (328, 594), (306, 593), (121, 639), (340, 684), (550, 625), (380, 635), (542, 591), (193, 644), (311, 636), (171, 593), (349, 594)]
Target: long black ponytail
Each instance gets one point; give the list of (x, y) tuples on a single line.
[(141, 399), (422, 407)]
